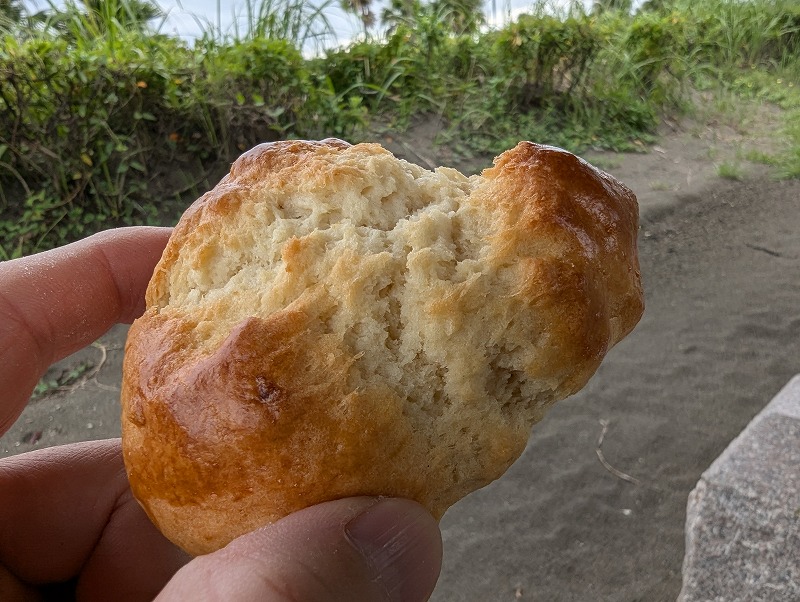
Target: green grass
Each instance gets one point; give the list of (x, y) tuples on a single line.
[(730, 170), (605, 163), (67, 378), (301, 23), (756, 156), (659, 185), (789, 162)]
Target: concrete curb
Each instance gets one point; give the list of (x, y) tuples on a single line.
[(743, 518)]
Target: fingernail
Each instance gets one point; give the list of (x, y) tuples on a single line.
[(402, 545)]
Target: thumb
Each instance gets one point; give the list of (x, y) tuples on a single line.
[(370, 549)]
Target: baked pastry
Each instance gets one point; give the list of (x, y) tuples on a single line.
[(331, 321)]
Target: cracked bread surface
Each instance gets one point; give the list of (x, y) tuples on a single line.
[(332, 321)]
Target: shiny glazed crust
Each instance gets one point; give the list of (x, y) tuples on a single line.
[(331, 321)]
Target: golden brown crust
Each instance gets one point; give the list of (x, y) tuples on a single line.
[(588, 223), (330, 321)]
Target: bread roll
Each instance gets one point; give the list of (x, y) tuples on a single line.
[(331, 321)]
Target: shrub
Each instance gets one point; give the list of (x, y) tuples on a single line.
[(69, 125), (545, 60)]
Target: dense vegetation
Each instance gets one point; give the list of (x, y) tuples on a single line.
[(100, 114)]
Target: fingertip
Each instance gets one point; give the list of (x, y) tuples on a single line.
[(367, 549), (130, 255), (402, 544)]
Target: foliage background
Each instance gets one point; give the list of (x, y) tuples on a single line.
[(104, 120)]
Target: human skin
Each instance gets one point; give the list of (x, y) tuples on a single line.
[(68, 519)]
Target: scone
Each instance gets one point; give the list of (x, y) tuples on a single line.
[(331, 321)]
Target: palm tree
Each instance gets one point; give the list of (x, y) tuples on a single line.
[(362, 10), (10, 14), (457, 16), (86, 21), (400, 12), (462, 16), (11, 11)]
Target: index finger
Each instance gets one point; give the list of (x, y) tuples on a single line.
[(56, 302)]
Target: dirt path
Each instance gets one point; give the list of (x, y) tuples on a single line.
[(720, 336)]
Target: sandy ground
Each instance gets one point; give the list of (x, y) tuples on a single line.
[(720, 336)]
